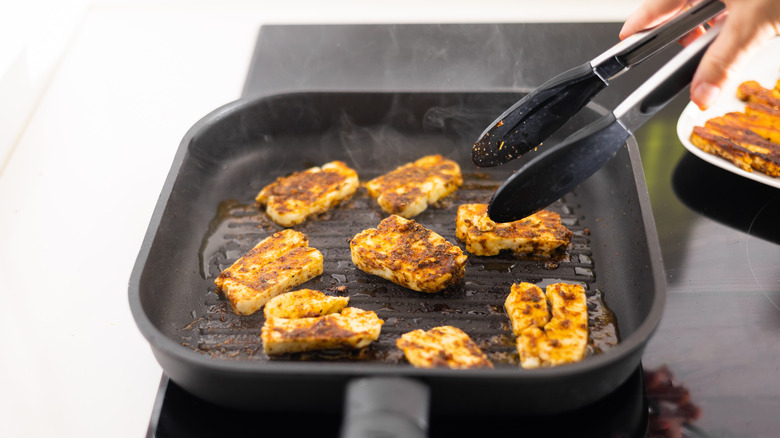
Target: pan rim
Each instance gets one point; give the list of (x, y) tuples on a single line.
[(159, 342)]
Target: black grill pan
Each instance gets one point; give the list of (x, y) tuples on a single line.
[(205, 219)]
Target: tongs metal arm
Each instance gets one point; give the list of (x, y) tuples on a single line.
[(645, 44), (530, 121)]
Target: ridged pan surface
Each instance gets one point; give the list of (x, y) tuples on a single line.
[(207, 218)]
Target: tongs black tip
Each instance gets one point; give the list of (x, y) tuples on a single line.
[(557, 170), (536, 116)]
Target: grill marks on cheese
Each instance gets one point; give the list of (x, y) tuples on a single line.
[(307, 320), (548, 339), (444, 346), (744, 140), (275, 265), (353, 328), (540, 234), (290, 200), (409, 189), (406, 253), (749, 139)]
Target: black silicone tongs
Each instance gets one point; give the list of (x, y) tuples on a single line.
[(530, 121), (560, 168)]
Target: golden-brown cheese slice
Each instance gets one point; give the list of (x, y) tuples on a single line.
[(353, 328), (567, 331), (406, 253), (529, 346), (564, 339), (752, 91), (711, 142), (749, 139), (303, 303), (290, 200), (767, 128), (275, 265), (408, 190), (540, 234), (743, 147), (526, 306), (444, 346)]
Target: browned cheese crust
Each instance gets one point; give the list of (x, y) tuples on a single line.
[(752, 91), (541, 234), (290, 200), (749, 139), (409, 189), (444, 346), (715, 144), (304, 303), (764, 115), (408, 254), (275, 265), (526, 307), (731, 137), (564, 338), (763, 127), (353, 328)]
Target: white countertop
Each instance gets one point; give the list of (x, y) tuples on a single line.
[(82, 176)]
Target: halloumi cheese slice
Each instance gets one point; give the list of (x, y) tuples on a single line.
[(409, 189), (276, 264), (303, 303), (406, 253), (444, 346), (540, 234), (353, 328), (752, 91), (564, 339), (291, 199), (526, 306)]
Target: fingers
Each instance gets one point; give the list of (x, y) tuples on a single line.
[(692, 35), (649, 14), (747, 24), (730, 49)]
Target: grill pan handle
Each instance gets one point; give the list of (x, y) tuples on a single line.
[(386, 407)]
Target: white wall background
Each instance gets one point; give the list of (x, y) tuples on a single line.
[(34, 34)]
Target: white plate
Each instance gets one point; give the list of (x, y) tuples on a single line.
[(764, 67)]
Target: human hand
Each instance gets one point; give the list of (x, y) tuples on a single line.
[(747, 25)]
